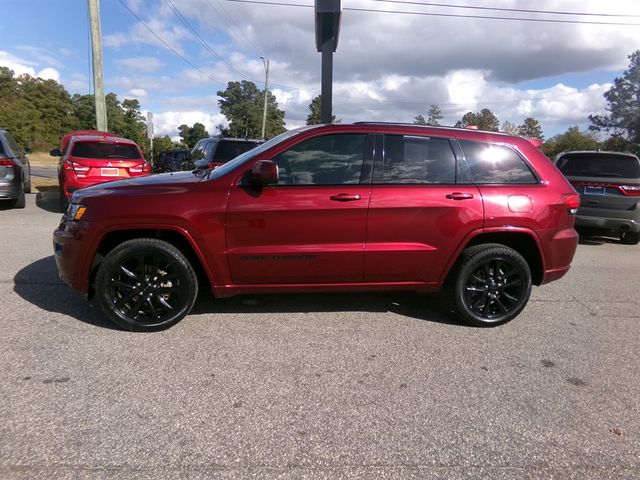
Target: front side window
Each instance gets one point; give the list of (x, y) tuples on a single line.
[(418, 160), (327, 160), (496, 164)]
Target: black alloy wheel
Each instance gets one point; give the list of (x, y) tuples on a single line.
[(491, 285), (146, 284)]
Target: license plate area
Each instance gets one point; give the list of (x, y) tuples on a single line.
[(590, 190), (109, 172)]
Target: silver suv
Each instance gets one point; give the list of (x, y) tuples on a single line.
[(609, 188)]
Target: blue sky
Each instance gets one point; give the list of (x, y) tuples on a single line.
[(389, 66)]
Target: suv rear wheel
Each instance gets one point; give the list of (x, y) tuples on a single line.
[(630, 238), (146, 284), (490, 285)]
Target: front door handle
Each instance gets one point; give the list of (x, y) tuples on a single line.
[(459, 196), (345, 197)]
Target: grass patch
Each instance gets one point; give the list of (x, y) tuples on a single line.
[(42, 159)]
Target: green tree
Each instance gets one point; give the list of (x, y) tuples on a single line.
[(242, 103), (419, 120), (315, 109), (485, 119), (623, 100), (530, 128), (509, 128), (191, 135), (434, 115), (572, 139)]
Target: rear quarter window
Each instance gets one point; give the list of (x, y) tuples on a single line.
[(496, 164)]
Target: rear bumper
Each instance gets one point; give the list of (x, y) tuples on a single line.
[(10, 190), (559, 247), (627, 222)]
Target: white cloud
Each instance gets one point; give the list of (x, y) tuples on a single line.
[(138, 92), (49, 74), (166, 123), (140, 64)]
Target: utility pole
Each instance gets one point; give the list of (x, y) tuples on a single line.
[(327, 16), (265, 62), (98, 78)]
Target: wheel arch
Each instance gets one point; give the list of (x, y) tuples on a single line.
[(522, 241), (178, 238)]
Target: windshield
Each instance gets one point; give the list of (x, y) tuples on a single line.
[(106, 150), (599, 165), (244, 157)]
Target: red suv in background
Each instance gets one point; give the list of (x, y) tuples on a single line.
[(88, 157), (329, 208)]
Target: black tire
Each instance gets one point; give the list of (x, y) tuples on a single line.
[(630, 238), (146, 285), (64, 203), (19, 202), (490, 285)]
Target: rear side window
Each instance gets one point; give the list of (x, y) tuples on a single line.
[(490, 164), (2, 152), (418, 160), (122, 151), (599, 165), (326, 160)]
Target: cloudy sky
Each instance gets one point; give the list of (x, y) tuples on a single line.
[(549, 59)]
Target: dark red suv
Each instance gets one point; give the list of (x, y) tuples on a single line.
[(328, 208)]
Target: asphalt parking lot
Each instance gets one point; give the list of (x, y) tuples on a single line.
[(318, 386)]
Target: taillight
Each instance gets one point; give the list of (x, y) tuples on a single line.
[(76, 167), (5, 162), (142, 168), (572, 202), (631, 190)]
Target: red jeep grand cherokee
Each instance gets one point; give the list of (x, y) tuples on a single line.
[(88, 157), (328, 208)]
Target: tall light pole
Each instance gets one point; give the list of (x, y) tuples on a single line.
[(265, 62), (98, 80)]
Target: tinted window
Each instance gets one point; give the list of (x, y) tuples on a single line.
[(326, 160), (490, 163), (105, 150), (198, 150), (411, 160), (231, 149), (209, 148), (2, 152), (599, 165)]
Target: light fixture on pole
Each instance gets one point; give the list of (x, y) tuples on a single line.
[(265, 62)]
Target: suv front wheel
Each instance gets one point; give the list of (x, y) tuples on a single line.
[(146, 284), (490, 285)]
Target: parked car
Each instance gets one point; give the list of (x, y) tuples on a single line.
[(609, 187), (172, 161), (15, 171), (329, 208), (88, 157), (214, 151)]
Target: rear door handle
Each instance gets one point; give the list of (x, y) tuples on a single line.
[(459, 196), (345, 197)]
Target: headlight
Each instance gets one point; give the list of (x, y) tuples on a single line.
[(75, 212)]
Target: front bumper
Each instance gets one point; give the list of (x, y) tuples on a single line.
[(74, 247)]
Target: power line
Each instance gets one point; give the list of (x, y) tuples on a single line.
[(169, 46), (234, 26), (502, 9), (449, 15), (197, 36)]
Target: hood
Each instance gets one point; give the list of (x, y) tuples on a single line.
[(163, 183)]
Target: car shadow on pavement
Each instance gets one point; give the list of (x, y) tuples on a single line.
[(40, 285), (431, 308), (48, 199), (594, 239)]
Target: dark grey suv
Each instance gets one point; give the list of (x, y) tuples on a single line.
[(214, 151), (15, 171), (609, 188)]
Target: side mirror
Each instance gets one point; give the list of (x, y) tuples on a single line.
[(55, 153), (200, 164), (264, 172)]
